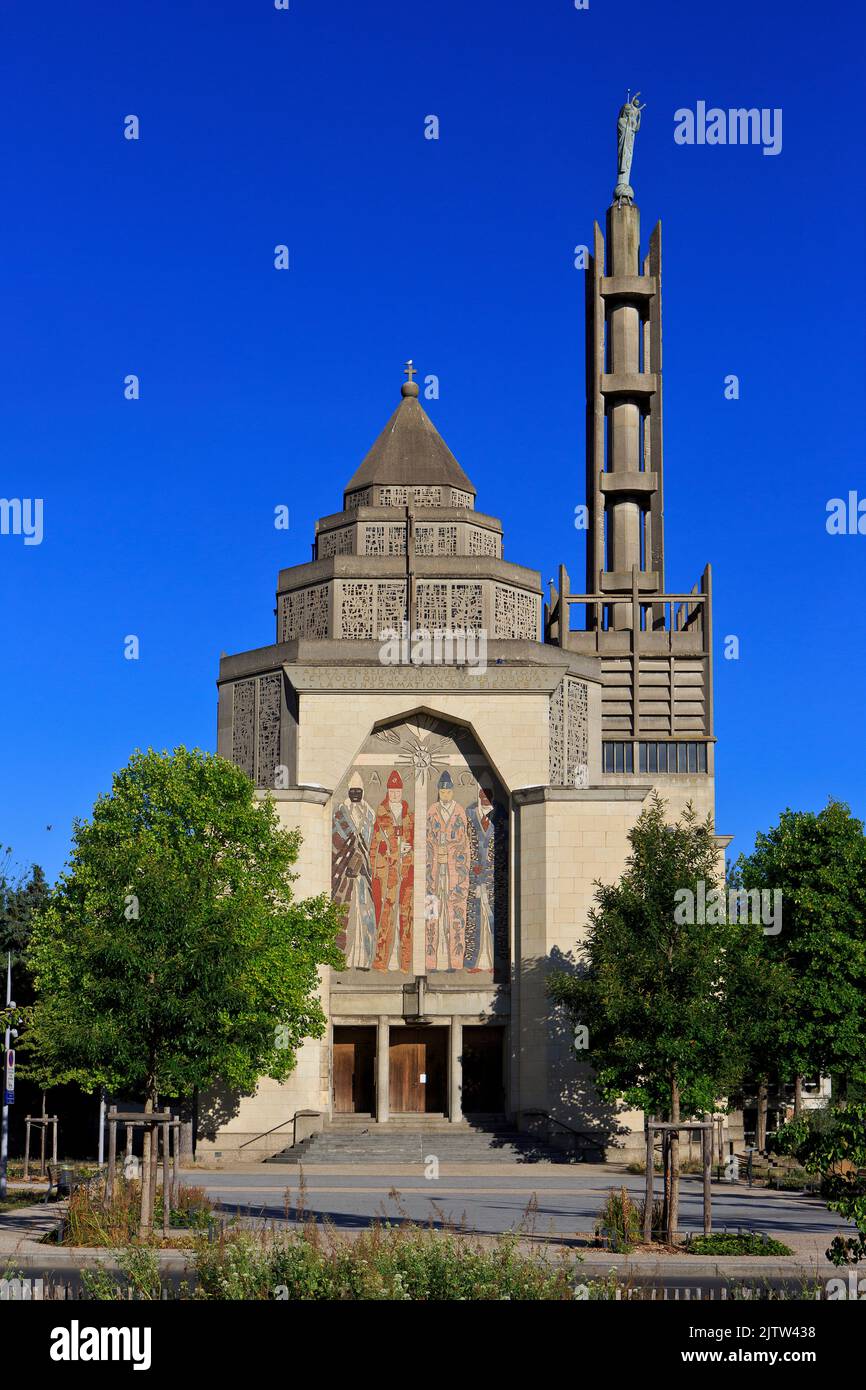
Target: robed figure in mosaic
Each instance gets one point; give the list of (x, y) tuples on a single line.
[(447, 879), (352, 875), (484, 830), (393, 878)]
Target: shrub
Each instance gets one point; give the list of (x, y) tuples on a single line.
[(620, 1221), (736, 1243), (193, 1209), (90, 1220), (385, 1263), (792, 1181), (832, 1143), (141, 1279)]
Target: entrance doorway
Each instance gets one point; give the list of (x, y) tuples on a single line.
[(354, 1054), (419, 1070), (483, 1070)]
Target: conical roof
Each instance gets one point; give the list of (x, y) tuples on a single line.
[(410, 450)]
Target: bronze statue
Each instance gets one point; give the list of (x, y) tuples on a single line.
[(627, 126)]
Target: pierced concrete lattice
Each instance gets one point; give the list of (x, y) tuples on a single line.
[(356, 612), (243, 726), (335, 543), (515, 614), (305, 613), (483, 542), (466, 608), (432, 607), (460, 499), (268, 743), (569, 734)]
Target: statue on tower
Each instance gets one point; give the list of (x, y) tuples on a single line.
[(627, 126)]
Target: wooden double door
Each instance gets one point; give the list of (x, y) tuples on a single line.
[(419, 1071), (354, 1070)]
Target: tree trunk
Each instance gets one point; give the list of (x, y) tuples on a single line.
[(763, 1106), (674, 1212), (186, 1147), (798, 1096)]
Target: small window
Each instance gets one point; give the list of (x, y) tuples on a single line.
[(618, 757), (666, 758)]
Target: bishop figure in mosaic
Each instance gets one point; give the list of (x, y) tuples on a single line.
[(447, 879), (352, 875), (393, 878)]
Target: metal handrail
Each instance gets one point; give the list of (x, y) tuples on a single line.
[(274, 1128), (580, 1133)]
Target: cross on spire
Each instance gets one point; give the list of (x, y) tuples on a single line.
[(409, 370)]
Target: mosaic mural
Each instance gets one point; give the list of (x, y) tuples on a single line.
[(422, 790)]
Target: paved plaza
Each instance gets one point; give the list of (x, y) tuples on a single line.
[(554, 1203)]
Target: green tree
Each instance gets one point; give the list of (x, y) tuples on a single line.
[(759, 989), (22, 894), (653, 990), (832, 1143), (818, 862), (171, 954)]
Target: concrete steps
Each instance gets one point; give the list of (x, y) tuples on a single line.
[(406, 1140)]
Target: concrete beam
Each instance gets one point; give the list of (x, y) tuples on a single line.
[(629, 384)]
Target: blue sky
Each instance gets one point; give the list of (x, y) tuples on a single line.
[(259, 387)]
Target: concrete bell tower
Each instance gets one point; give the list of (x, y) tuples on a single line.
[(624, 413), (654, 647)]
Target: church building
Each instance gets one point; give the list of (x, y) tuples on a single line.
[(464, 756)]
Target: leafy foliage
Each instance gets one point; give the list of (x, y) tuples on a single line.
[(834, 1147), (22, 895), (141, 1277), (736, 1243), (819, 864), (620, 1221), (386, 1263), (93, 1220), (760, 984), (171, 954), (654, 993)]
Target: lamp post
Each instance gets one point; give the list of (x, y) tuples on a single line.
[(4, 1132), (102, 1109)]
